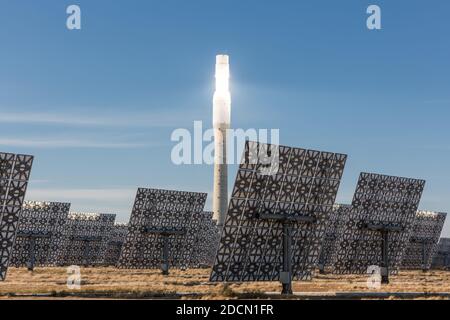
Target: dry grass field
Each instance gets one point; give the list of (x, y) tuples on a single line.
[(193, 284)]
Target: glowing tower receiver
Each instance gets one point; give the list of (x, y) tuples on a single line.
[(221, 122)]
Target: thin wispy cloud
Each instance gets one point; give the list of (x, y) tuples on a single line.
[(168, 118), (433, 147), (438, 101), (40, 181), (68, 143), (46, 118)]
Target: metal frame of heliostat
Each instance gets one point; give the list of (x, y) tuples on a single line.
[(377, 229), (442, 257), (335, 224), (115, 243), (423, 241), (206, 242), (40, 234), (277, 214), (162, 229), (86, 239), (15, 171)]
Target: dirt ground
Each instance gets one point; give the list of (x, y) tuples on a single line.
[(193, 284)]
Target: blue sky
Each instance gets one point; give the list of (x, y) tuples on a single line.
[(97, 106)]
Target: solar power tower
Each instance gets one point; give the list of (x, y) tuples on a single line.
[(86, 239), (162, 229), (14, 174), (277, 214), (333, 230), (377, 229), (441, 259), (115, 243), (40, 234), (423, 241), (206, 242)]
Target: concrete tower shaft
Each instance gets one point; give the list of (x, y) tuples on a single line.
[(221, 122)]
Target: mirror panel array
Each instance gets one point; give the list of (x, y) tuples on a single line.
[(40, 234), (276, 186), (159, 216), (15, 172)]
